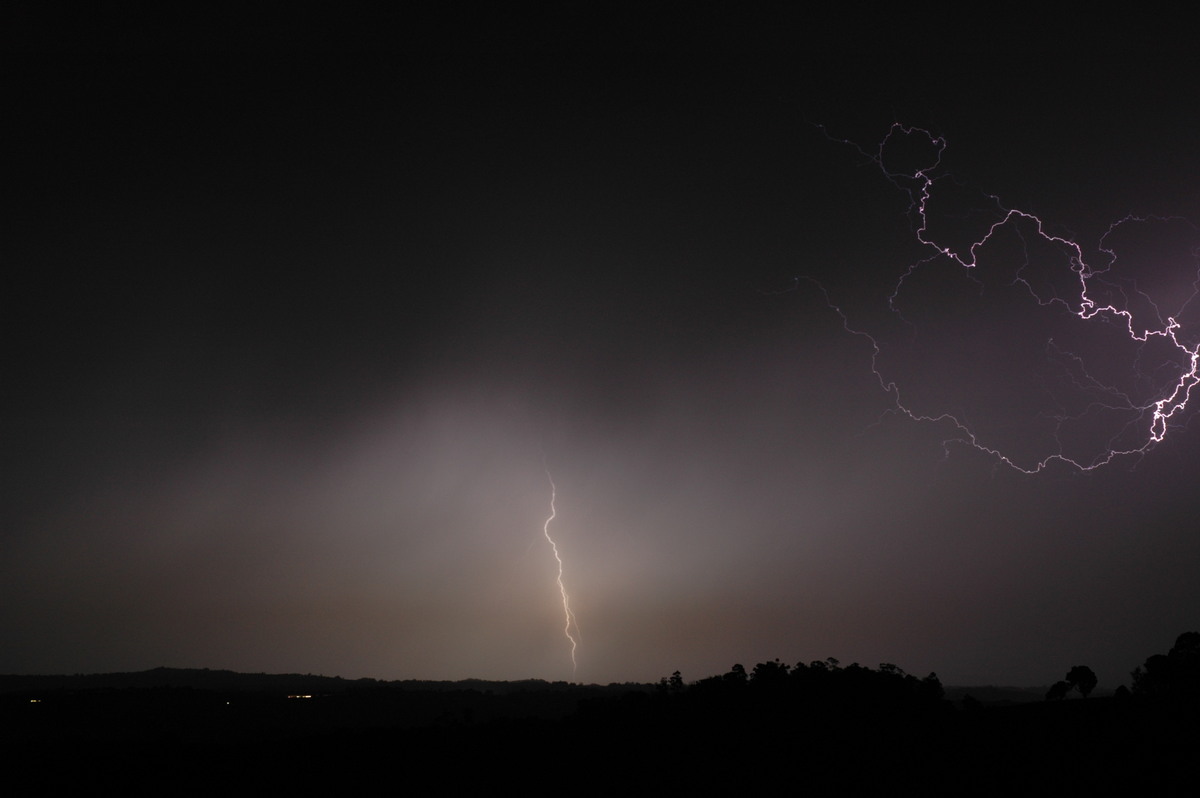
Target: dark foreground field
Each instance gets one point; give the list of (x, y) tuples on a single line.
[(204, 732)]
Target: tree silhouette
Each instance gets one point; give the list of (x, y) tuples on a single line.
[(1081, 678), (1058, 691), (769, 673), (1176, 672), (736, 675), (931, 686)]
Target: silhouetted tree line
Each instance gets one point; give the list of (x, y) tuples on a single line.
[(819, 682), (1176, 673), (817, 726)]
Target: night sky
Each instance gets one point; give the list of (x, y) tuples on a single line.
[(295, 336)]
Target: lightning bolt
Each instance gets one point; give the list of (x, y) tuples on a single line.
[(1096, 294), (569, 617)]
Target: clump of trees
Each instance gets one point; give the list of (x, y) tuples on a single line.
[(1175, 673), (1080, 678), (818, 683), (826, 685)]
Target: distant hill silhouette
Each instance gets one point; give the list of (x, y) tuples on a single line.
[(289, 683), (195, 678)]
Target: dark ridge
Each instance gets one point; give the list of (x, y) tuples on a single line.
[(817, 726)]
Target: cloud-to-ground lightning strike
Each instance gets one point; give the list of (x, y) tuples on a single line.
[(566, 602), (1117, 420)]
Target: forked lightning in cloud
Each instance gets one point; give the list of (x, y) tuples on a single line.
[(1107, 299), (569, 617)]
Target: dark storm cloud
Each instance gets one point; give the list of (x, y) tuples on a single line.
[(300, 339)]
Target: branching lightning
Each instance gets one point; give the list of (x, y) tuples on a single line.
[(569, 617), (1116, 419)]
